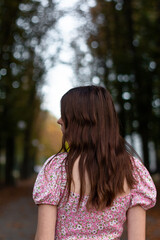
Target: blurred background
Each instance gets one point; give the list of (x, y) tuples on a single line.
[(50, 46)]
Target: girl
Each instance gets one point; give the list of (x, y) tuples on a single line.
[(89, 190)]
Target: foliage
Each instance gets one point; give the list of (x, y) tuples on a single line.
[(123, 53), (50, 139), (24, 25)]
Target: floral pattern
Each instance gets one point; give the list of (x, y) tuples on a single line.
[(73, 223)]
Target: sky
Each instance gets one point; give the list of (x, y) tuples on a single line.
[(61, 77), (58, 82)]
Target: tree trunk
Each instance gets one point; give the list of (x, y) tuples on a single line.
[(26, 164), (143, 98), (145, 140), (157, 148), (10, 155)]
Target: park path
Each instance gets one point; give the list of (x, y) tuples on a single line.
[(18, 214)]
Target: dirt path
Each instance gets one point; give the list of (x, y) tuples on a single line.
[(18, 214)]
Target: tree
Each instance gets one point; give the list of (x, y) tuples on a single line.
[(124, 57), (22, 67)]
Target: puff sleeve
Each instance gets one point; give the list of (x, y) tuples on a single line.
[(48, 185), (144, 193)]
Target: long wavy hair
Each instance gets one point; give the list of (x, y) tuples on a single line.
[(92, 132)]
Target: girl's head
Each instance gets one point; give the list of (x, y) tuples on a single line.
[(88, 117), (90, 126)]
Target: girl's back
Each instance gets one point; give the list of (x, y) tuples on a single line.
[(75, 185)]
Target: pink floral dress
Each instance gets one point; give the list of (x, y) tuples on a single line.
[(71, 223)]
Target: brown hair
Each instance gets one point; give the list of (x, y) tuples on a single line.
[(92, 131)]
